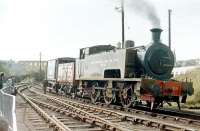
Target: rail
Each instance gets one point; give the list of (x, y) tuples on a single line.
[(81, 109), (54, 122)]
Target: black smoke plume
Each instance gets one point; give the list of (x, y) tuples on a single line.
[(145, 9)]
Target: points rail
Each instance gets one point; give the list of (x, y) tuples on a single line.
[(81, 109)]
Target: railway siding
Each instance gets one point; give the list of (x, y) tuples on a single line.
[(51, 119), (182, 118), (81, 108), (61, 113)]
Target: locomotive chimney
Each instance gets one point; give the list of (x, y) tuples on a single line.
[(156, 32)]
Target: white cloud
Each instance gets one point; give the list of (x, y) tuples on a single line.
[(60, 28)]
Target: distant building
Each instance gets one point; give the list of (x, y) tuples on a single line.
[(184, 63), (33, 65), (183, 70)]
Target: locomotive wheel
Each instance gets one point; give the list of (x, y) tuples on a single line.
[(127, 96), (73, 92), (108, 94), (69, 89), (95, 94)]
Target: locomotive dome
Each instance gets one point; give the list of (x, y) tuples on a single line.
[(158, 60)]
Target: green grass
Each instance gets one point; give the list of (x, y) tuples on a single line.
[(194, 75)]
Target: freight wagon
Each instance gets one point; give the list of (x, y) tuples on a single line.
[(60, 73)]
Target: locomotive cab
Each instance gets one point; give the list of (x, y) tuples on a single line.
[(84, 52)]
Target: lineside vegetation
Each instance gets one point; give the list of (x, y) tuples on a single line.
[(194, 75)]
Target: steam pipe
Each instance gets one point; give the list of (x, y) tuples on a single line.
[(123, 36), (169, 16)]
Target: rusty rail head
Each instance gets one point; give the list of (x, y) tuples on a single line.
[(133, 118), (45, 115), (107, 124), (61, 124), (72, 113), (85, 115)]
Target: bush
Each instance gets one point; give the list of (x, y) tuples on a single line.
[(194, 76), (37, 76)]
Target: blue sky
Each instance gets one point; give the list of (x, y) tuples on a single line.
[(61, 28)]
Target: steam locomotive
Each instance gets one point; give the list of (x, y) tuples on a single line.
[(129, 76)]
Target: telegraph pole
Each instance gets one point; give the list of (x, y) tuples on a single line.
[(40, 66), (169, 18), (123, 36)]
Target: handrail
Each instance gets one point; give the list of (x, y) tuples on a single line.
[(7, 107)]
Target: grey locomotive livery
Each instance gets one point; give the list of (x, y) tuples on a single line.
[(155, 60), (128, 75), (109, 64)]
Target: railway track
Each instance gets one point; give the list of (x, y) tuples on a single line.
[(182, 117), (57, 118), (117, 120), (28, 118), (159, 122)]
